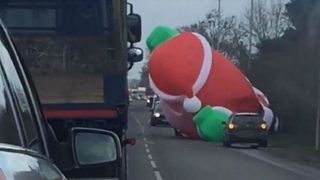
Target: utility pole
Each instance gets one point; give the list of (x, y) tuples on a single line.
[(317, 130), (219, 7), (219, 24), (250, 37)]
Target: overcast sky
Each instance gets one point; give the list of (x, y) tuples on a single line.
[(175, 13)]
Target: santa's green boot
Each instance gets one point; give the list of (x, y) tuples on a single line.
[(210, 122)]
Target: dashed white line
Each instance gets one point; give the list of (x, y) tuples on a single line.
[(150, 156), (153, 164), (158, 175)]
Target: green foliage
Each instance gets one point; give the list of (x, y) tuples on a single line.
[(286, 69)]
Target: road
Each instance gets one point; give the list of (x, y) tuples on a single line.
[(159, 155)]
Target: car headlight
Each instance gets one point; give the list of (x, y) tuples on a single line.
[(263, 126), (148, 100), (156, 114), (231, 126)]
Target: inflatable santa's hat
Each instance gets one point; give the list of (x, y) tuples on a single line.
[(181, 60)]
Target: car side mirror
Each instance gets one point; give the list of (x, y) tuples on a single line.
[(135, 54), (223, 123), (94, 146), (134, 27)]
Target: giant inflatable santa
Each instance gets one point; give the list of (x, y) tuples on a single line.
[(199, 88)]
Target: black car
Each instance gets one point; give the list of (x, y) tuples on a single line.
[(245, 128), (27, 140), (157, 116)]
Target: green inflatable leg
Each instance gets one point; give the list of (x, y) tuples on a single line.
[(210, 123)]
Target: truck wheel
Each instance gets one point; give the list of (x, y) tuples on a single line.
[(123, 175), (263, 143)]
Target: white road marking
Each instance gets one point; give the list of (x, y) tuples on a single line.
[(138, 122), (298, 170), (158, 175), (150, 156), (153, 164), (149, 142)]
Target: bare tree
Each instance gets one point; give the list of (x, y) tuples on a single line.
[(225, 33), (218, 30), (269, 19)]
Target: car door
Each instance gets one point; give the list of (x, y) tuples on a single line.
[(26, 112)]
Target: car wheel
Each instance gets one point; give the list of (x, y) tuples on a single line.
[(177, 132), (263, 143), (226, 144), (152, 123)]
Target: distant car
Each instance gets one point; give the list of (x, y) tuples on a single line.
[(150, 101), (245, 128), (157, 116)]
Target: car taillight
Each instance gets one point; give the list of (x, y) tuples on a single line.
[(2, 177)]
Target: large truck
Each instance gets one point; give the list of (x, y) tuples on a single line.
[(78, 53)]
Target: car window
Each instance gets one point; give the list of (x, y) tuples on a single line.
[(8, 127), (158, 108), (246, 118), (20, 166), (21, 101)]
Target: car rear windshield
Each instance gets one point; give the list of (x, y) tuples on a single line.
[(246, 118)]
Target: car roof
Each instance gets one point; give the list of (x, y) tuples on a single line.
[(247, 114)]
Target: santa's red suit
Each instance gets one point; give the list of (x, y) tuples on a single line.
[(188, 75)]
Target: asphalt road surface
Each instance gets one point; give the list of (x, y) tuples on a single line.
[(159, 155)]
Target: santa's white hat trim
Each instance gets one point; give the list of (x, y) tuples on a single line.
[(206, 65), (162, 94), (192, 104)]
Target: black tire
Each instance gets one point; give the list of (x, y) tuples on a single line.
[(176, 132), (123, 173), (226, 144), (152, 123), (263, 143)]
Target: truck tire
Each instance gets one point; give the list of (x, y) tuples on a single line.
[(123, 171)]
